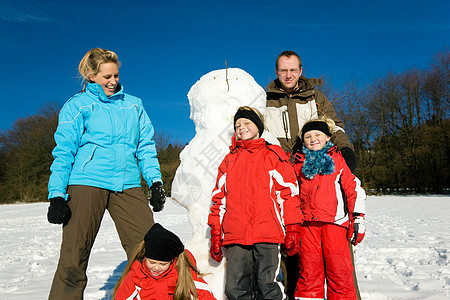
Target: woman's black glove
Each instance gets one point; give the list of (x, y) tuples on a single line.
[(350, 158), (58, 211), (158, 196)]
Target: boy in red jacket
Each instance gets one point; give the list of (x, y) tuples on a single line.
[(333, 205), (255, 209)]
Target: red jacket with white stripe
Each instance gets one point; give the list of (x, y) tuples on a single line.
[(256, 194), (330, 198), (141, 284)]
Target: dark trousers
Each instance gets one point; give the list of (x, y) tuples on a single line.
[(132, 217), (251, 272)]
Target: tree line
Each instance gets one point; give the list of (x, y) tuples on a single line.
[(399, 125), (26, 157)]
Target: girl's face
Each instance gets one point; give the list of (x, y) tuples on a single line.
[(246, 129), (315, 139), (157, 267), (107, 77)]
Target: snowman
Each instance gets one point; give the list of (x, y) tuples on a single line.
[(214, 100)]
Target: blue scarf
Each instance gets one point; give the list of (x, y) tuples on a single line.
[(318, 162)]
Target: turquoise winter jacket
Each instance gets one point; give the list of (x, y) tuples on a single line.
[(102, 141)]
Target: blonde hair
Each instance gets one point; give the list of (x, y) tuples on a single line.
[(257, 112), (90, 63), (330, 123), (185, 288)]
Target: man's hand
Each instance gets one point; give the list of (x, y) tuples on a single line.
[(350, 158)]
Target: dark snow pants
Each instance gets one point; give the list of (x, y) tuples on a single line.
[(251, 272), (132, 217)]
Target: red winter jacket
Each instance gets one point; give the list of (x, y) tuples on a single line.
[(256, 194), (330, 198), (140, 284)]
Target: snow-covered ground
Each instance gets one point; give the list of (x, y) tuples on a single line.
[(404, 254)]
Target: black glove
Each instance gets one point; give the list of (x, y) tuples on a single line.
[(158, 196), (58, 211), (350, 158), (298, 147)]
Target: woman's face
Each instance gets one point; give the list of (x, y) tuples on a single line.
[(107, 77), (315, 140), (157, 267)]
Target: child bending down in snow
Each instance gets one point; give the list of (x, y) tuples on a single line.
[(333, 205), (161, 269), (255, 208)]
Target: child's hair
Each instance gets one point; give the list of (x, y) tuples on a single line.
[(185, 288), (90, 63), (138, 254), (330, 125)]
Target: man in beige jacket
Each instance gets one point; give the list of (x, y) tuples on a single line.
[(291, 101)]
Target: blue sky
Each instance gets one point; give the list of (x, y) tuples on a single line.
[(166, 46)]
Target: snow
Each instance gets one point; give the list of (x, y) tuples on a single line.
[(404, 254)]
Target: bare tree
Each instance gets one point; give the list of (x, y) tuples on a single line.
[(26, 156)]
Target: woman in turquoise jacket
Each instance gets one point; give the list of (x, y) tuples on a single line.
[(104, 142)]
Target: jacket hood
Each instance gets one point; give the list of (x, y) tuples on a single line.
[(97, 90), (246, 145)]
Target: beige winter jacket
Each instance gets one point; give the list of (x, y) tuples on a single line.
[(287, 113)]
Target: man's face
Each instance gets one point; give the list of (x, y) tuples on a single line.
[(288, 72)]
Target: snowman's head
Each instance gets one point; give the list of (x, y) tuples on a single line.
[(215, 98)]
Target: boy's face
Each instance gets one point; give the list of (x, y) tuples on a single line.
[(315, 140), (246, 129)]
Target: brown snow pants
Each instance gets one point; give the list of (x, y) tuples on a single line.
[(132, 217)]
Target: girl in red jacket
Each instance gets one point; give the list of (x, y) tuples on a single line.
[(161, 269), (333, 205), (255, 209)]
